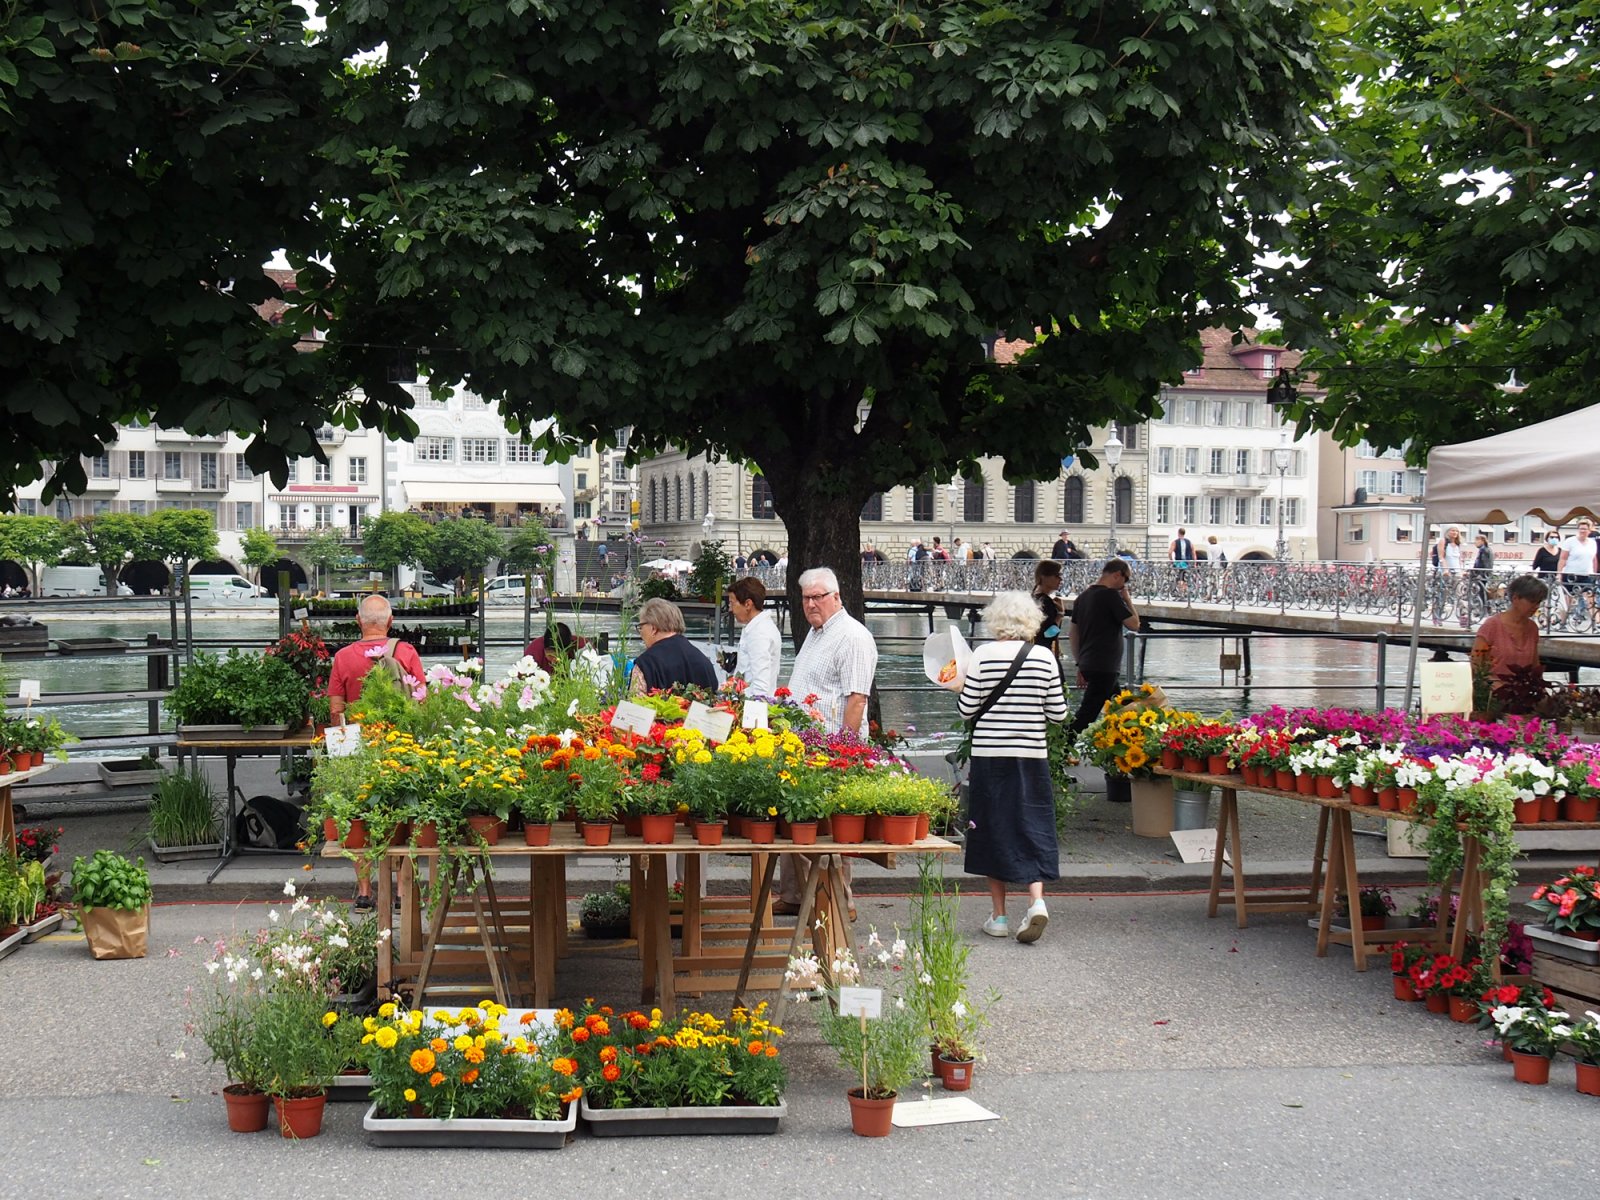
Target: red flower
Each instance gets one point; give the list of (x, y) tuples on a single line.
[(782, 693)]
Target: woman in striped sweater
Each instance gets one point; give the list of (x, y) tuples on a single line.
[(1011, 834)]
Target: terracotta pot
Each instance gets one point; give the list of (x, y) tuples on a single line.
[(1407, 798), (1589, 1079), (487, 826), (1576, 808), (633, 826), (1505, 1051), (1437, 1002), (870, 1118), (1526, 812), (247, 1108), (922, 826), (955, 1073), (1283, 779), (20, 760), (658, 829), (1217, 764), (1248, 774), (874, 827), (1404, 990), (1389, 799), (300, 1116), (330, 829), (1549, 808), (1362, 795), (35, 758), (1169, 759), (1305, 784), (427, 835), (1372, 924), (803, 833), (1327, 789), (1463, 1010), (597, 833), (1193, 765), (401, 834), (535, 834), (900, 830), (356, 839), (5, 764), (849, 829), (761, 833), (736, 824), (1530, 1068), (708, 833)]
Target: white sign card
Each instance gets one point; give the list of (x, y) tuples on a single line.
[(28, 690), (1196, 845), (633, 717), (1446, 687), (342, 740), (300, 614), (464, 639), (947, 1110), (754, 715), (861, 1002), (715, 725)]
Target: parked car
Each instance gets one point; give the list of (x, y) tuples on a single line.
[(504, 589)]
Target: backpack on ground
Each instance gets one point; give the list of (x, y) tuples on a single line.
[(269, 823)]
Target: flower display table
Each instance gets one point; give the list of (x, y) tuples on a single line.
[(232, 751)]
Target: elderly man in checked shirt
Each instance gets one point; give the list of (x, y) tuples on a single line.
[(836, 665)]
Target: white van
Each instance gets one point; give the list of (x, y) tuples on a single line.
[(76, 581), (223, 587), (510, 589)]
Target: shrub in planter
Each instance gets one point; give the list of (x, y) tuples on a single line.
[(113, 899), (240, 689)]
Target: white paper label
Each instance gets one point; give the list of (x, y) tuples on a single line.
[(633, 717), (861, 1002), (754, 715), (342, 740), (300, 614), (28, 689), (1195, 845), (464, 640), (1446, 687), (716, 726)]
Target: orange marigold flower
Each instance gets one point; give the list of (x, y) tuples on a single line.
[(638, 1020), (580, 1034), (605, 1010), (772, 1051), (756, 1048), (422, 1061), (611, 1072), (564, 1018), (438, 1045), (470, 1076), (602, 1028), (608, 1054), (528, 1018), (570, 1097), (435, 1079), (473, 1055), (564, 1066)]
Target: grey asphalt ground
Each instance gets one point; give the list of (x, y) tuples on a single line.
[(1138, 1050)]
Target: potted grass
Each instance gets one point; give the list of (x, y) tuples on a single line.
[(113, 902), (183, 818)]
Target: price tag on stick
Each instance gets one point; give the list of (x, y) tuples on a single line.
[(754, 715), (715, 724), (633, 717), (863, 1002), (342, 740), (28, 690)]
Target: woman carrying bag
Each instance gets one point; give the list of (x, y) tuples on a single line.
[(1012, 688)]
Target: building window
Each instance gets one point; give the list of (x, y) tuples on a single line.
[(922, 502), (208, 471), (761, 498), (1123, 492), (677, 504), (518, 451), (294, 471), (1163, 510), (100, 466), (580, 510), (1291, 511), (1217, 462), (241, 469), (1367, 481), (705, 489), (583, 481), (324, 516), (358, 470), (1266, 511), (1243, 413), (137, 507), (1191, 412), (1357, 531), (288, 516), (30, 508), (1400, 529), (473, 403), (1128, 435), (1022, 504), (63, 510), (424, 397), (1190, 507), (1241, 462), (691, 496), (1241, 510), (1164, 461), (652, 513), (974, 500), (1511, 535), (1217, 411), (619, 470), (1072, 508), (480, 450), (244, 515), (172, 465), (436, 449), (1214, 509), (135, 464), (872, 510), (1397, 483), (1191, 461), (1269, 364)]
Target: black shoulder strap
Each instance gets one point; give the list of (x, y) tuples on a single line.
[(999, 688)]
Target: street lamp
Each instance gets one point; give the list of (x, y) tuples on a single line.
[(1282, 457), (952, 491), (1113, 456)]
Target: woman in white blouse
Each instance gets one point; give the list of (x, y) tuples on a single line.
[(760, 643)]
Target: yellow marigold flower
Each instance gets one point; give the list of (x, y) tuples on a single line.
[(366, 1039), (386, 1038), (411, 1095), (370, 1024), (386, 1010)]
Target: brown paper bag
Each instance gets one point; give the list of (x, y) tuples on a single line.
[(116, 932)]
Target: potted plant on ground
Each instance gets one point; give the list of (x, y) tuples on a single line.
[(1585, 1044), (319, 945), (224, 1018), (298, 1054), (1373, 904), (1534, 1035), (112, 896), (1406, 957), (607, 914), (938, 978), (183, 817), (885, 1052)]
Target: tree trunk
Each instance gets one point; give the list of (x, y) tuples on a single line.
[(824, 528)]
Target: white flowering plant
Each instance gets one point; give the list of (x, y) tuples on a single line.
[(887, 1052), (318, 945), (1531, 1029)]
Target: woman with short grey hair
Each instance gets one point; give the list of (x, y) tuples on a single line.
[(669, 658), (1012, 689)]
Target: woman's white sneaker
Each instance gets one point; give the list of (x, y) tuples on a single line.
[(997, 927), (1033, 923)]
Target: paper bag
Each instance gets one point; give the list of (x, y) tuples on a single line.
[(945, 657), (116, 932)]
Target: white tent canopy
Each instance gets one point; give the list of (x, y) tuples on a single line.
[(1550, 470)]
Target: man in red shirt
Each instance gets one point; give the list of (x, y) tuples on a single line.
[(350, 665)]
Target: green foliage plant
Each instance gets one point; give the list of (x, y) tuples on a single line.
[(183, 809), (108, 880)]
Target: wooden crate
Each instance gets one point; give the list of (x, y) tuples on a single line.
[(1576, 985)]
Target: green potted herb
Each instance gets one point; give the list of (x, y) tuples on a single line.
[(183, 817), (113, 901), (221, 697)]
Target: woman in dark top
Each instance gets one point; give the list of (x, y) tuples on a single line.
[(1046, 583), (669, 659), (1547, 559)]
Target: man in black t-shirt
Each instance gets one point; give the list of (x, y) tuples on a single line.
[(1099, 615)]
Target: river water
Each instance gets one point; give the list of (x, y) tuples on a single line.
[(1288, 671)]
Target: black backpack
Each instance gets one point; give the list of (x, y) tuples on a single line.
[(269, 823)]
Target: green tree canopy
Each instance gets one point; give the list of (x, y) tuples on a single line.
[(395, 539), (1447, 241), (257, 549), (462, 547), (326, 551), (112, 540), (531, 548), (35, 542), (182, 534)]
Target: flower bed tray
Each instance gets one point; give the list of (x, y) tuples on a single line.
[(1561, 946), (9, 944), (168, 854), (126, 772), (671, 1122), (427, 1132), (350, 1087), (32, 933), (232, 733)]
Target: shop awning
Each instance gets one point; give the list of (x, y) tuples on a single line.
[(482, 494), (320, 498)]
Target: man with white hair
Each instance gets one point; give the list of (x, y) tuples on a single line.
[(832, 676)]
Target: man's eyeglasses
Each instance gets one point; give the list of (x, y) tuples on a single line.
[(817, 597)]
